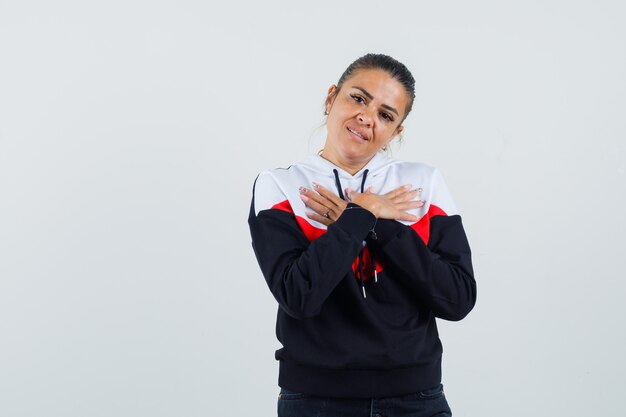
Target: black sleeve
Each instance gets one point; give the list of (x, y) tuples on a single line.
[(440, 274), (302, 274)]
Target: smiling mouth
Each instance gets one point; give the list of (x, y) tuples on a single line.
[(354, 132)]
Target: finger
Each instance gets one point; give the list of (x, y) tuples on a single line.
[(324, 192), (312, 195), (405, 196), (320, 219), (408, 205), (396, 191), (315, 206), (407, 217)]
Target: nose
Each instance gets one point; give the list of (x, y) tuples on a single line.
[(365, 117)]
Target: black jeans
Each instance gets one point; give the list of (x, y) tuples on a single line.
[(428, 403)]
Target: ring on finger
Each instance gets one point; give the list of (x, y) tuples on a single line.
[(326, 214)]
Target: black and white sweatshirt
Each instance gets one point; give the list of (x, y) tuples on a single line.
[(358, 299)]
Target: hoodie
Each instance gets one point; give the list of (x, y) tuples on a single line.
[(358, 299)]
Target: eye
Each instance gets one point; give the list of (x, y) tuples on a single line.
[(387, 117), (357, 98)]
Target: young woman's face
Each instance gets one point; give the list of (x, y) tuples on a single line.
[(363, 117)]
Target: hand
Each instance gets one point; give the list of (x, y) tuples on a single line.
[(326, 206), (392, 205)]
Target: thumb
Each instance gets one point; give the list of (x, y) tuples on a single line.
[(348, 192), (408, 217)]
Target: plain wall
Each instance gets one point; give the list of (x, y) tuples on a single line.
[(131, 133)]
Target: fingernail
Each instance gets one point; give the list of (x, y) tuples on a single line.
[(419, 190), (304, 198), (422, 201), (406, 187), (315, 185), (302, 190)]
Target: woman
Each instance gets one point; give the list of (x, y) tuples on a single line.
[(362, 253)]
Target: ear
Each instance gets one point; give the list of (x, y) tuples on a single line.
[(330, 97), (398, 130)]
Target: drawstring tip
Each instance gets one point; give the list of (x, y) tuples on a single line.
[(375, 276), (364, 295)]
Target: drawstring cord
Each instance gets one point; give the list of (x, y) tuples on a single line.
[(338, 184), (371, 234), (361, 281)]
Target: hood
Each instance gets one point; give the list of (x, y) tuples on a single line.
[(324, 167)]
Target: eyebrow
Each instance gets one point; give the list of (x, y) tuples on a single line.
[(369, 96)]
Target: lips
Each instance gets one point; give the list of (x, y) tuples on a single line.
[(359, 134)]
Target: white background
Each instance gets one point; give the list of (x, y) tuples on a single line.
[(131, 133)]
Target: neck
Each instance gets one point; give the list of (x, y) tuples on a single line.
[(349, 166)]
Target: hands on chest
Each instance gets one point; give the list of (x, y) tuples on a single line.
[(327, 207)]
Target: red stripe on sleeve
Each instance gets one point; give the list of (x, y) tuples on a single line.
[(310, 231), (422, 227)]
